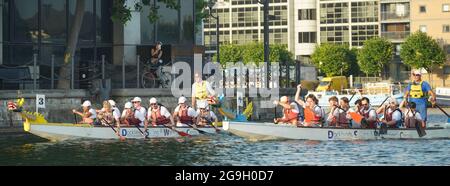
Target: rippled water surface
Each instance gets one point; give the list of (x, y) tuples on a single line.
[(224, 149)]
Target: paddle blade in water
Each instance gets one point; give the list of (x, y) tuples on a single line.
[(184, 134)]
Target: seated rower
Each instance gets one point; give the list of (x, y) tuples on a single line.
[(344, 119), (88, 115), (184, 114), (338, 113), (332, 118), (204, 116), (290, 111), (105, 115), (369, 114), (392, 114), (128, 117), (314, 114), (158, 114), (413, 117), (354, 115)]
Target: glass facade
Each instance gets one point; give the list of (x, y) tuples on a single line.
[(42, 28), (348, 22), (242, 21), (333, 13)]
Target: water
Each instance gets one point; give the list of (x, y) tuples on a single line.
[(224, 149)]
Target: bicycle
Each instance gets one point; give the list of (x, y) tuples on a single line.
[(154, 76)]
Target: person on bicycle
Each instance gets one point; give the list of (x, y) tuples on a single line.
[(156, 54), (201, 91)]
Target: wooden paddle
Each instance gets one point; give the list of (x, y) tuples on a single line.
[(200, 131), (75, 118), (181, 133), (439, 107), (352, 97), (145, 136), (122, 138)]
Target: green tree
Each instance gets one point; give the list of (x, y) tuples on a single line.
[(421, 51), (332, 59), (253, 53), (229, 53), (374, 55)]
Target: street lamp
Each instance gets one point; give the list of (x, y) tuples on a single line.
[(211, 4), (265, 4)]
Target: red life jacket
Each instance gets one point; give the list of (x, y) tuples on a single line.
[(183, 115), (157, 118), (372, 124)]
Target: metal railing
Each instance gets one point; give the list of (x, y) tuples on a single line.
[(127, 74), (398, 35), (394, 16)]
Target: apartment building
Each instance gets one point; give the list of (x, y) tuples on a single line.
[(241, 21), (395, 26), (433, 17)]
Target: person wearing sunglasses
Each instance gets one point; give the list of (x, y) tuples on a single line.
[(205, 116), (369, 114), (139, 111), (393, 116), (158, 114), (418, 91)]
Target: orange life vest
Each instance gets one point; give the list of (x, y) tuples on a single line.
[(289, 115), (310, 116)]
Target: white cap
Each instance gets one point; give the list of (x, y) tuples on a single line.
[(393, 100), (201, 104), (86, 103), (182, 99), (136, 99), (417, 72), (153, 100), (128, 105), (112, 102)]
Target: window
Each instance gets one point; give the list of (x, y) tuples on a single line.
[(445, 8), (307, 14), (423, 28), (307, 37), (423, 9), (446, 69), (446, 28)]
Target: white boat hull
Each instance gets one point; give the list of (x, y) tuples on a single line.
[(270, 131), (443, 96), (58, 132)]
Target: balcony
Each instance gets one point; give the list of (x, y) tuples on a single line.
[(392, 16), (398, 35)]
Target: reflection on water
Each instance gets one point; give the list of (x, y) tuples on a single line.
[(224, 149)]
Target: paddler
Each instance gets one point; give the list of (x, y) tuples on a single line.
[(392, 114), (158, 114), (314, 114), (183, 113), (290, 111), (205, 116), (89, 115), (418, 91)]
